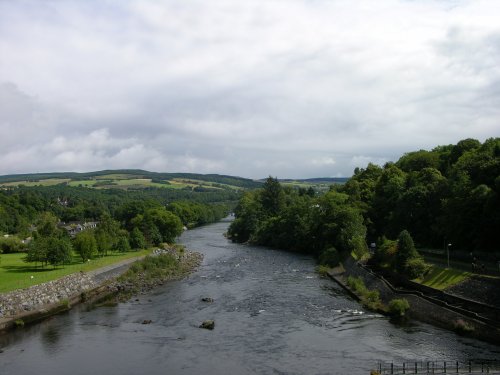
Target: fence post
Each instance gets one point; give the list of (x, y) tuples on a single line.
[(457, 367), (404, 369), (392, 368), (470, 366), (416, 368), (444, 367)]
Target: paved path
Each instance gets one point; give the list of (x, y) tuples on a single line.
[(113, 270)]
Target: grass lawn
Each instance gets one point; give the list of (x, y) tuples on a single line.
[(16, 274), (442, 278)]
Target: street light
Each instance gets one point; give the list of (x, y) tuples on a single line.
[(448, 253)]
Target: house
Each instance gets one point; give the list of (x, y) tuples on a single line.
[(76, 227)]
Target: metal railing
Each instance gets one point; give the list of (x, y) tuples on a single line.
[(440, 367)]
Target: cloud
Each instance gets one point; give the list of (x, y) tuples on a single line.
[(289, 88)]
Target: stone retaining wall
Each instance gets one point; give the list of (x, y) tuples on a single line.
[(420, 308), (36, 296)]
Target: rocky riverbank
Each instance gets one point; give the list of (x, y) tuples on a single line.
[(127, 278), (165, 265)]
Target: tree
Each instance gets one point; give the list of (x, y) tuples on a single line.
[(406, 251), (85, 244), (137, 240), (272, 196), (123, 244), (58, 251), (106, 234), (47, 224)]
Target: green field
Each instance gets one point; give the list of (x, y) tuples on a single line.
[(442, 278), (16, 274), (47, 182), (123, 181)]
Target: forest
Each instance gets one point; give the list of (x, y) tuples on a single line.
[(49, 223), (448, 195)]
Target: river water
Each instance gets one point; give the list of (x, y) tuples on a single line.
[(273, 315)]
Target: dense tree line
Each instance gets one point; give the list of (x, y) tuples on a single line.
[(447, 195), (126, 220), (297, 219)]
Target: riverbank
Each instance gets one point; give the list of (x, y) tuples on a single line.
[(429, 309), (37, 302)]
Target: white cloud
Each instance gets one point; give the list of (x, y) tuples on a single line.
[(248, 87)]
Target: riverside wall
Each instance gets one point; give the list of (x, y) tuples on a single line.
[(435, 313)]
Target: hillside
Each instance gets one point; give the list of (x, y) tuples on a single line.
[(130, 179)]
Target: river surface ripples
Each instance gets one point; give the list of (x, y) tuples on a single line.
[(273, 315)]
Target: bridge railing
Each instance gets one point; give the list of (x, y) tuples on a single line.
[(440, 367)]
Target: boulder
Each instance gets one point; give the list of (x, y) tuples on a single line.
[(147, 321), (207, 299), (208, 324)]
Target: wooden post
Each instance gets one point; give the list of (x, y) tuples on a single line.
[(416, 368), (392, 368), (457, 367), (404, 372), (470, 366), (444, 367)]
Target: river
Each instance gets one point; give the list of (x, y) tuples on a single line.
[(273, 315)]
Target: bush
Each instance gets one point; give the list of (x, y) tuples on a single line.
[(462, 327), (11, 244), (416, 267), (385, 251), (356, 284), (322, 270), (372, 296), (19, 323), (329, 257), (398, 307)]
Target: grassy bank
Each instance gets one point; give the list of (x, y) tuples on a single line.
[(16, 274), (174, 263), (442, 278)]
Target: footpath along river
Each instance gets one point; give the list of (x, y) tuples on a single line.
[(273, 315)]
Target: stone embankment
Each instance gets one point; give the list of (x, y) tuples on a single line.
[(433, 310), (42, 300), (30, 299)]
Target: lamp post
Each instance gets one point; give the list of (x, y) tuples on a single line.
[(448, 254)]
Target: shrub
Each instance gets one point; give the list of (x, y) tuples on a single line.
[(385, 251), (398, 307), (322, 270), (19, 323), (329, 257), (356, 284), (462, 327), (372, 296), (11, 244), (416, 267)]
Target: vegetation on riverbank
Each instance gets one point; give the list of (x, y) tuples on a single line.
[(174, 262), (53, 228), (16, 274), (449, 195)]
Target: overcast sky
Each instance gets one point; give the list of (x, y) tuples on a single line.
[(292, 88)]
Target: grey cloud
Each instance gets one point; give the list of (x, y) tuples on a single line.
[(252, 88)]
